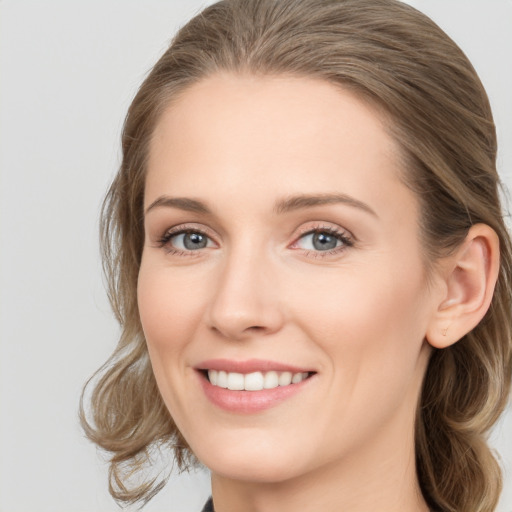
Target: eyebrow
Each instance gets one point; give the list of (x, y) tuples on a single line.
[(182, 203), (308, 201), (282, 206)]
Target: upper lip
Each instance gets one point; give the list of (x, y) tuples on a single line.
[(249, 366)]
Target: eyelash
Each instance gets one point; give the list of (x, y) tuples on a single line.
[(164, 241), (345, 239)]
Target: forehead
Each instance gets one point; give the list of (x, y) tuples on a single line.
[(255, 109), (258, 136)]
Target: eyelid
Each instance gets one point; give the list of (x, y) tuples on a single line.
[(324, 226), (345, 236), (190, 226), (164, 239)]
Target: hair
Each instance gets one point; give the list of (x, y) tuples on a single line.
[(436, 109)]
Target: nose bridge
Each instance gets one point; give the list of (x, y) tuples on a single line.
[(244, 301)]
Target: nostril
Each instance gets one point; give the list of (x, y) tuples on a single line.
[(239, 334)]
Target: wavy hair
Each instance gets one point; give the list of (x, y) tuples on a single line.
[(436, 109)]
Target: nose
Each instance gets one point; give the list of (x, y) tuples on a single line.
[(245, 302)]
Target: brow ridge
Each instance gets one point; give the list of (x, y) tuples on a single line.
[(282, 206), (308, 201), (182, 203)]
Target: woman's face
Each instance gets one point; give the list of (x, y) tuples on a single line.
[(281, 243)]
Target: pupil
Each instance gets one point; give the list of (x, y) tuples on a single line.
[(324, 241), (194, 241)]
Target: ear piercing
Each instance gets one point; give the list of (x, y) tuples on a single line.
[(444, 331)]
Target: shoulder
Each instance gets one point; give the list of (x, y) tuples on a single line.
[(208, 506)]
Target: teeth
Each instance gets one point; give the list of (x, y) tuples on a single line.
[(213, 375), (285, 379), (222, 379), (271, 380), (299, 377), (235, 381), (255, 381)]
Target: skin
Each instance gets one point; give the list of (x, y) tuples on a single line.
[(357, 316)]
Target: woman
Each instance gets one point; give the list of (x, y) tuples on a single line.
[(307, 256)]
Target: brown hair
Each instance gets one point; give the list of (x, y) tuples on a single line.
[(437, 110)]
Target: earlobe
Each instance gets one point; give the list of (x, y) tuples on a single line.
[(470, 276)]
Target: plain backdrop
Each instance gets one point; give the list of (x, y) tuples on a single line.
[(68, 71)]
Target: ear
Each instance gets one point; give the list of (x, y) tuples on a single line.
[(469, 277)]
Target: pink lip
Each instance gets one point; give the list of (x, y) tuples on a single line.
[(249, 366), (248, 402)]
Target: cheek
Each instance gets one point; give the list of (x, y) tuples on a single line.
[(371, 330), (169, 312), (355, 300), (369, 323), (169, 308)]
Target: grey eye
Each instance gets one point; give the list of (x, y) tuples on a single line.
[(319, 241), (324, 241), (190, 241)]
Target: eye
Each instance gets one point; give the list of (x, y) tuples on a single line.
[(327, 240), (319, 241), (183, 241), (189, 241)]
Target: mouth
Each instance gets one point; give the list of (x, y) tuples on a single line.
[(251, 386), (254, 381)]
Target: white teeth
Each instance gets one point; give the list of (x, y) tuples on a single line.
[(255, 381), (285, 378), (235, 381), (222, 379), (271, 380), (213, 376), (297, 377)]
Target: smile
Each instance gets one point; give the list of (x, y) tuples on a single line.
[(252, 386), (255, 381)]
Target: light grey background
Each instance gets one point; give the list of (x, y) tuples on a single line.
[(68, 71)]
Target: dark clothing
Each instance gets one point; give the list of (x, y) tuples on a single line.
[(208, 507)]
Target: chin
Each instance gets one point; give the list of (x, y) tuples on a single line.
[(263, 472), (251, 462)]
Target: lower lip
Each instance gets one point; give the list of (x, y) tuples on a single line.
[(247, 402)]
